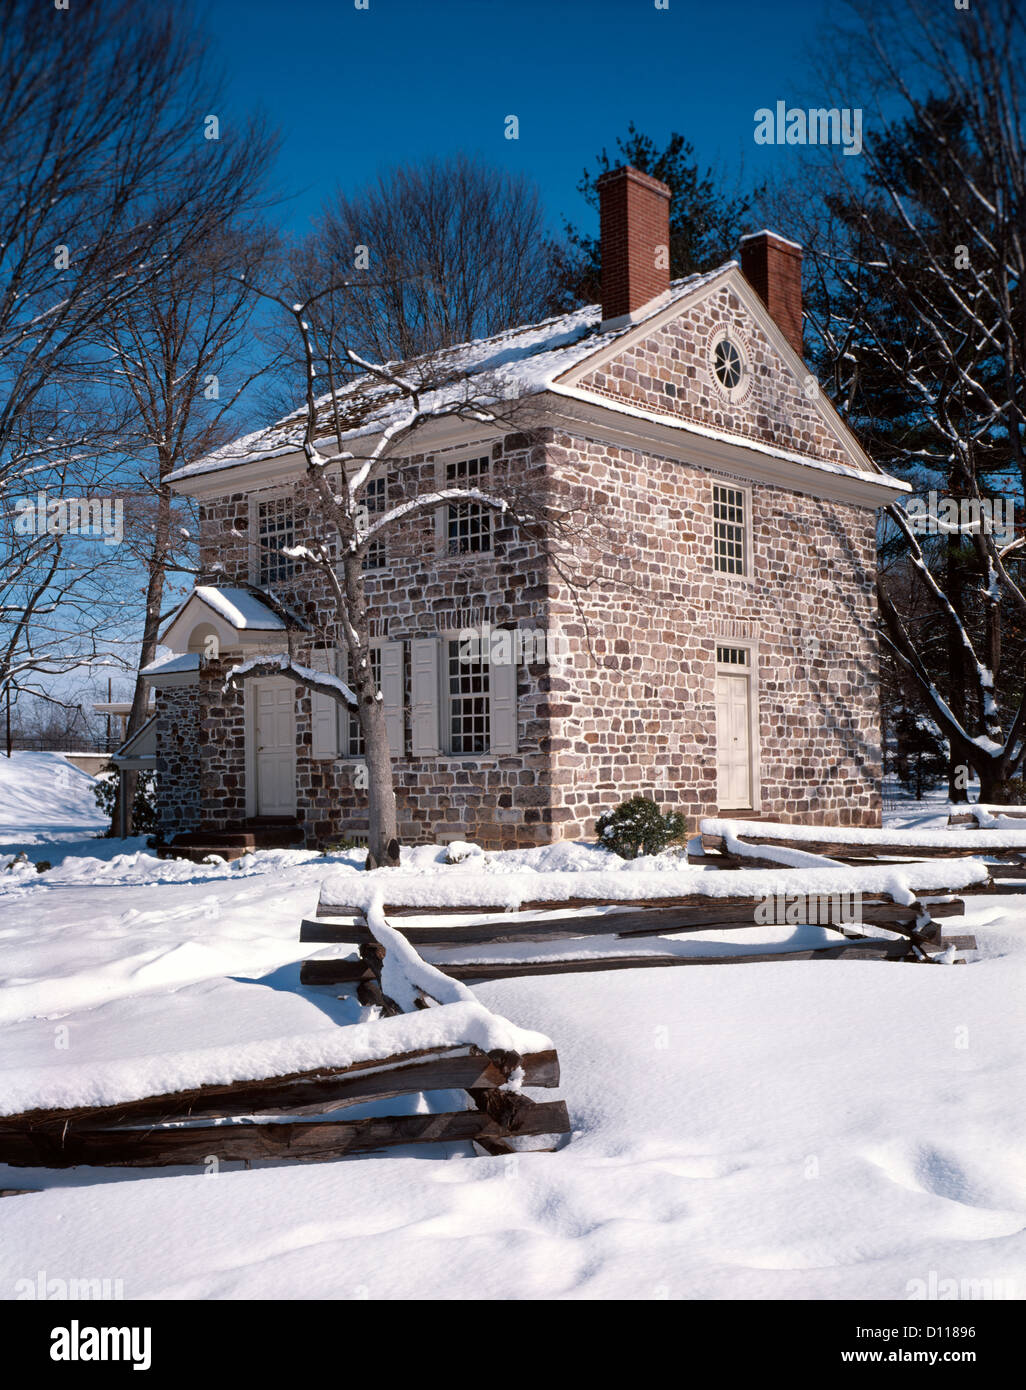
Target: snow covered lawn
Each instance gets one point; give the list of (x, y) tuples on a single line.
[(796, 1130)]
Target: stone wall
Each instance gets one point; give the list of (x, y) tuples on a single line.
[(669, 372), (222, 747), (179, 762), (501, 802), (640, 707)]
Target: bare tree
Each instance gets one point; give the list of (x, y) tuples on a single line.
[(106, 181), (181, 354), (443, 252), (917, 305), (348, 435)]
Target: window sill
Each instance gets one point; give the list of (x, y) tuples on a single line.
[(466, 757), (468, 557)]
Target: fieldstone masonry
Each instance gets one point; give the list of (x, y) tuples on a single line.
[(639, 715), (634, 709), (669, 372)]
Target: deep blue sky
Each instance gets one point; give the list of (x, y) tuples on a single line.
[(354, 90)]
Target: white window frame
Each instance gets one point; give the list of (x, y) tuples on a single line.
[(445, 705), (442, 462), (751, 670), (255, 499), (382, 541), (345, 714), (345, 741), (746, 492)]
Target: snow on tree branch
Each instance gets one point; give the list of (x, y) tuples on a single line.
[(281, 664)]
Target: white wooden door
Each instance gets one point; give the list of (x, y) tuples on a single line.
[(733, 741), (274, 728)]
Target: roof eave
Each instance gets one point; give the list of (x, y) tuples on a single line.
[(671, 437)]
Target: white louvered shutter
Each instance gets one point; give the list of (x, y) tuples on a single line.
[(323, 709), (424, 653), (392, 696), (503, 707)]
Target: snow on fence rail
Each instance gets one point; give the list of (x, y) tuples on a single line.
[(625, 932), (771, 845), (983, 816), (454, 1046)]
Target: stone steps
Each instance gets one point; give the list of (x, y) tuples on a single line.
[(232, 842)]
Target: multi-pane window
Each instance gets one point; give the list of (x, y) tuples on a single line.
[(728, 529), (357, 746), (468, 524), (275, 528), (732, 656), (375, 499), (469, 700)]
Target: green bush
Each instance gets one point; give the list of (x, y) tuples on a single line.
[(144, 805), (638, 827), (344, 845)]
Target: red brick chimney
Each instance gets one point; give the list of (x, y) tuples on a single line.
[(634, 215), (772, 265)]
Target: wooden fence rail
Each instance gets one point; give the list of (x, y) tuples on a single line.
[(130, 1134), (1007, 871), (917, 925), (967, 818)]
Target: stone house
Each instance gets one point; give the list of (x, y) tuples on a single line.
[(715, 647)]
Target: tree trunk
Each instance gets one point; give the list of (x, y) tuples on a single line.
[(994, 787), (382, 818), (129, 780), (956, 665)]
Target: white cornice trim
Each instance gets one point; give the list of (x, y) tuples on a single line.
[(431, 437), (646, 431)]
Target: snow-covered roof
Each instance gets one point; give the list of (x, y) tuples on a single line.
[(141, 747), (172, 665), (518, 362), (240, 608)]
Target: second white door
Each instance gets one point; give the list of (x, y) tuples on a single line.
[(275, 732), (733, 741)]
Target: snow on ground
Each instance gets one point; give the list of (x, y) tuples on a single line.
[(796, 1130), (42, 795)]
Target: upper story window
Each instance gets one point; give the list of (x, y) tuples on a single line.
[(468, 524), (275, 528), (469, 700), (375, 500), (729, 524)]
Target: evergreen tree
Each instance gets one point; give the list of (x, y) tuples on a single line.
[(705, 223)]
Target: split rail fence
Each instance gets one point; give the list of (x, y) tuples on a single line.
[(646, 922), (191, 1127), (1006, 862)]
